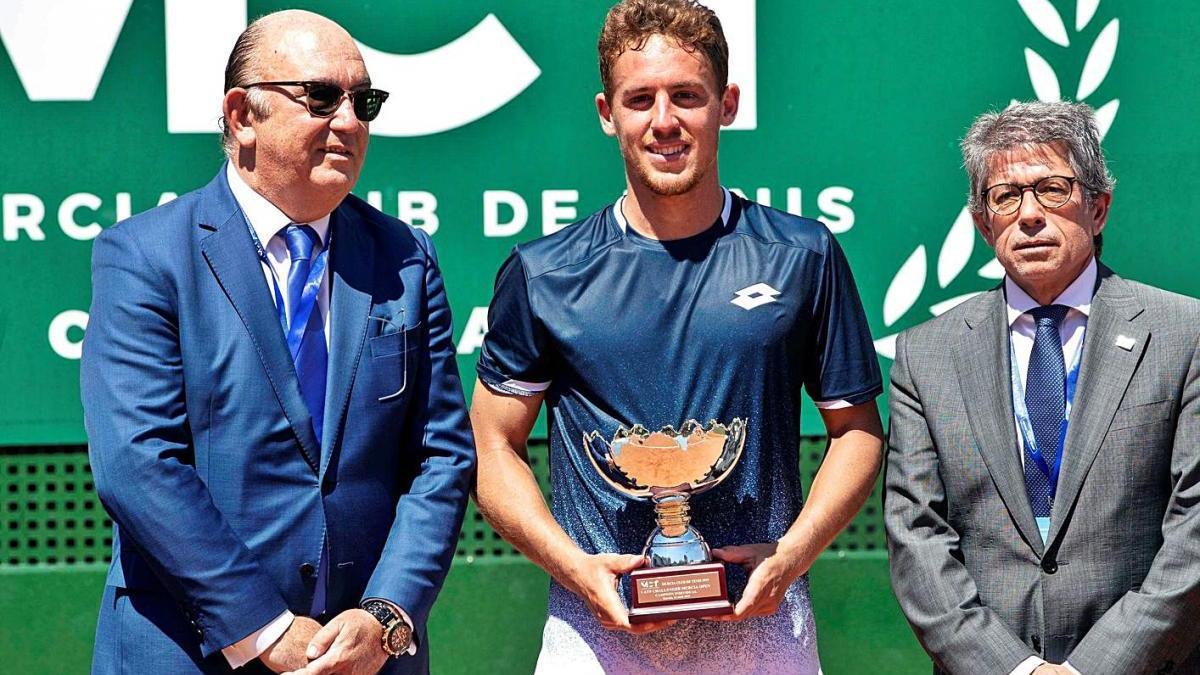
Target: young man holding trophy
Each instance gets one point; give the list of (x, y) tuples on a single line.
[(670, 335)]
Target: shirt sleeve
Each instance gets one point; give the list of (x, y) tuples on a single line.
[(1027, 666), (514, 357), (253, 645), (1031, 664), (841, 365)]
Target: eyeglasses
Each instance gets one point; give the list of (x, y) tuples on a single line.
[(1004, 199), (323, 99)]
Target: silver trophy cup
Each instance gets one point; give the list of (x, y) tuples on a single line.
[(668, 467)]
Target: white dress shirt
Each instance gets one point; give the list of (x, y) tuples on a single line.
[(1022, 328), (1021, 331), (268, 223)]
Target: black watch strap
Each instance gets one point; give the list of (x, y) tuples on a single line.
[(397, 632), (381, 610)]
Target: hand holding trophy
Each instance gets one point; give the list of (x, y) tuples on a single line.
[(668, 467)]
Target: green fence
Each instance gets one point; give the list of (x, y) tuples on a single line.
[(488, 619)]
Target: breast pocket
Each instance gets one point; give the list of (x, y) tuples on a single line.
[(1132, 416), (393, 356)]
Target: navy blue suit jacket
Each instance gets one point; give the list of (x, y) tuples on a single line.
[(203, 451)]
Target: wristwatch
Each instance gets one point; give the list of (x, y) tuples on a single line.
[(397, 634)]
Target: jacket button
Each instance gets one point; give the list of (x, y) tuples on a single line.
[(1037, 643), (307, 570), (1049, 566)]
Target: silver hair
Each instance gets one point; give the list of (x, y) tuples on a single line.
[(1023, 125), (240, 71)]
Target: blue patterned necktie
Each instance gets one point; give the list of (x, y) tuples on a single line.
[(1046, 401), (312, 358)]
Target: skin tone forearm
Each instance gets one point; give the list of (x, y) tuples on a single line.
[(506, 491), (839, 490), (842, 484), (288, 652), (509, 498)]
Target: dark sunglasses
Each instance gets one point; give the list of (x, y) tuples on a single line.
[(323, 99)]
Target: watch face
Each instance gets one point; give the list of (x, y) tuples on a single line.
[(398, 638)]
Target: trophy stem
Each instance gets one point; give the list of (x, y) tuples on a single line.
[(675, 542), (672, 513)]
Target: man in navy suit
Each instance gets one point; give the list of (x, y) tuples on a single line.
[(275, 418)]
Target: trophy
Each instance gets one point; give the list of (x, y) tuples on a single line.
[(667, 467)]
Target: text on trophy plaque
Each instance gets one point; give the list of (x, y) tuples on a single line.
[(696, 586)]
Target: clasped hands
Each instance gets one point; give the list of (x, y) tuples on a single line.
[(594, 579), (351, 643)]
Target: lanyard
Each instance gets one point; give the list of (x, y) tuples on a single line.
[(1026, 427), (308, 297)]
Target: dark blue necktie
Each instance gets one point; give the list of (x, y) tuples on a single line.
[(1046, 401), (312, 358)]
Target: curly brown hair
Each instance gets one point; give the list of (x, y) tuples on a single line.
[(631, 23)]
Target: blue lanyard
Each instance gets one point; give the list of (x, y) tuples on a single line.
[(308, 297), (1026, 427)]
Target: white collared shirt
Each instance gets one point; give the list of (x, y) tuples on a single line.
[(268, 223), (1021, 331), (1022, 328)]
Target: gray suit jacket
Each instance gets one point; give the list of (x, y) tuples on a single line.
[(1116, 588)]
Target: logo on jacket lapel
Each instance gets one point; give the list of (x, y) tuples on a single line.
[(754, 296)]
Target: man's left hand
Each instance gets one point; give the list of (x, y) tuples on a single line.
[(350, 644), (771, 573)]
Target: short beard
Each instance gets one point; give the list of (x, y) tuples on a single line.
[(663, 186)]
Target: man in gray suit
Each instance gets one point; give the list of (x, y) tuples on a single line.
[(1042, 498)]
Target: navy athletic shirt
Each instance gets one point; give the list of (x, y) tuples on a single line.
[(618, 329)]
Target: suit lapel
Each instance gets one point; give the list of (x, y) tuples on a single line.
[(982, 364), (1103, 377), (231, 255), (353, 269)]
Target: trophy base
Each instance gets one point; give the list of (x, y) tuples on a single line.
[(683, 592)]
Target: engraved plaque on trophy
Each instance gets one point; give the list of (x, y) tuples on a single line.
[(668, 467)]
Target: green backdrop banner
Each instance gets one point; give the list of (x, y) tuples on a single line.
[(851, 113)]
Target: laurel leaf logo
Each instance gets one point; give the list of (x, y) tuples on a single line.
[(947, 305), (1105, 116), (992, 270), (909, 283), (1046, 20), (886, 346), (906, 286), (957, 249), (1042, 77), (1099, 60), (1084, 11)]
